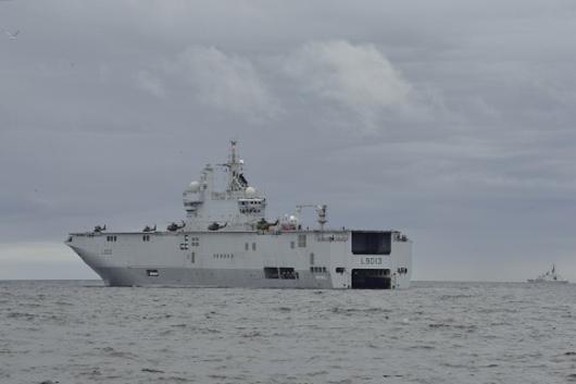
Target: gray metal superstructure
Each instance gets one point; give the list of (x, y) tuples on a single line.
[(226, 241)]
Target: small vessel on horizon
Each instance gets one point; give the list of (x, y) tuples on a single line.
[(550, 276)]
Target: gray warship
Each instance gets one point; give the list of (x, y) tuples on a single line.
[(226, 240)]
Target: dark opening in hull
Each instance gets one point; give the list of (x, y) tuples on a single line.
[(371, 279)]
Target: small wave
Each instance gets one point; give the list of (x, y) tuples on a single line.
[(64, 303), (21, 316), (455, 297), (423, 346), (109, 351), (351, 311), (455, 326), (439, 325), (151, 370), (251, 335), (177, 379)]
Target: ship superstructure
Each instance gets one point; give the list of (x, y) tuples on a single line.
[(227, 241)]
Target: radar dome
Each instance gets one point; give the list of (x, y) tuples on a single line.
[(250, 191), (293, 220), (194, 186)]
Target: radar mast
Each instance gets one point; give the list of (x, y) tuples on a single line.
[(236, 179)]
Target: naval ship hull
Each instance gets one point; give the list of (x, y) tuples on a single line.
[(254, 259)]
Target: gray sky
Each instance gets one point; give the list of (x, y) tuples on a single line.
[(452, 121)]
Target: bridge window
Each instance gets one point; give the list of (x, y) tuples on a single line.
[(152, 272)]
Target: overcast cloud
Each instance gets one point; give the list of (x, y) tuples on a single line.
[(450, 120)]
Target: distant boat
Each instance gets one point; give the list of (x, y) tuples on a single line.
[(550, 276)]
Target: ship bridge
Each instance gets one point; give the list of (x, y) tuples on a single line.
[(239, 206)]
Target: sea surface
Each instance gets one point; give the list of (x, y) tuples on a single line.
[(81, 332)]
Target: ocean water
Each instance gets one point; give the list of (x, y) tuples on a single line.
[(80, 332)]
